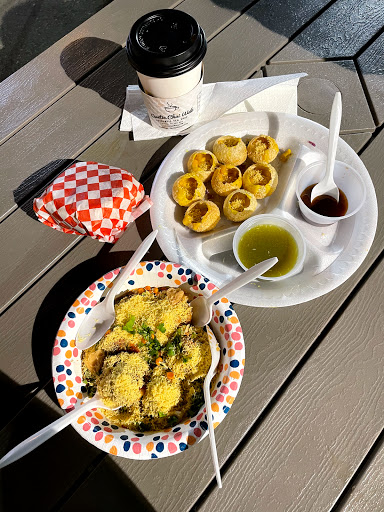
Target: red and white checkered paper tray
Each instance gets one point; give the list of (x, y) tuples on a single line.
[(92, 199)]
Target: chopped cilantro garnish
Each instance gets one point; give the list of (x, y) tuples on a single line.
[(143, 427), (91, 388), (170, 349), (129, 325), (154, 348), (161, 328), (174, 346), (173, 420), (186, 359), (145, 332), (152, 342), (197, 402), (161, 414)]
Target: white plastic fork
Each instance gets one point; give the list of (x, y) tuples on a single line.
[(215, 353)]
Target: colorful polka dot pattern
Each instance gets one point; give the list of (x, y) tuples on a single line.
[(66, 367)]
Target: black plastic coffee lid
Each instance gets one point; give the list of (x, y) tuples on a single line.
[(166, 43)]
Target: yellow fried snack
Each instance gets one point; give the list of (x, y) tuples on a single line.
[(261, 180), (121, 379), (162, 393), (202, 216), (202, 164), (286, 155), (262, 149), (239, 205), (187, 189), (230, 150), (226, 179)]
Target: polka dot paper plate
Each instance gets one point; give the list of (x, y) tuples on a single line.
[(93, 426)]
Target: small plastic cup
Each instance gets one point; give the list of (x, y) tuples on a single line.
[(281, 222), (345, 177)]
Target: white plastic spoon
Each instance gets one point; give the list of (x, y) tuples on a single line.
[(215, 353), (102, 316), (327, 186), (202, 306), (50, 430)]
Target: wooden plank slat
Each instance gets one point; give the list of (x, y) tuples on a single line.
[(341, 31), (356, 140), (275, 343), (216, 15), (312, 442), (371, 64), (316, 92), (367, 492), (34, 249), (253, 38), (41, 82)]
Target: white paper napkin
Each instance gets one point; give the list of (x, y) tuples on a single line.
[(269, 94)]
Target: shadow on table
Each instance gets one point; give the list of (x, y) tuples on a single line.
[(83, 55), (29, 28), (112, 76), (37, 182), (51, 474)]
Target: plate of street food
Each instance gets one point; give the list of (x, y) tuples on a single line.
[(150, 364), (247, 164)]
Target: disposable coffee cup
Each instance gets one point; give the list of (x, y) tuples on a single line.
[(166, 48)]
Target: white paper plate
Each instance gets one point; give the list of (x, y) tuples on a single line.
[(334, 252), (93, 425)]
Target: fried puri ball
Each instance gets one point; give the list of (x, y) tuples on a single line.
[(239, 205), (187, 189), (261, 180), (230, 150), (202, 164), (262, 149), (202, 216), (226, 179)]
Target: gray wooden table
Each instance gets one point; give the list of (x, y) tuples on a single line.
[(305, 432)]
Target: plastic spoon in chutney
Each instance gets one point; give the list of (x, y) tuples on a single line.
[(325, 205)]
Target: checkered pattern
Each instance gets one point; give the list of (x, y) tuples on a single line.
[(92, 199)]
